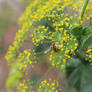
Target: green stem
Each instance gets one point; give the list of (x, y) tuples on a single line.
[(42, 77), (84, 8), (58, 77)]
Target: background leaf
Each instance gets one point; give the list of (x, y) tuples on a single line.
[(79, 75), (82, 34)]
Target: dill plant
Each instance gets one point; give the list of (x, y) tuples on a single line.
[(67, 24)]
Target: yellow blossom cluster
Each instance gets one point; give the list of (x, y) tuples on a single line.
[(47, 10), (40, 33), (30, 10), (22, 33), (49, 86), (66, 45), (89, 54), (45, 86), (24, 59), (15, 47), (23, 86)]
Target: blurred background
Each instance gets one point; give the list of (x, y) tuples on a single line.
[(10, 11)]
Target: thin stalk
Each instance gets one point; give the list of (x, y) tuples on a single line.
[(58, 77), (83, 9), (43, 77)]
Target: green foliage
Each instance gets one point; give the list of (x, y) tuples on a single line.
[(82, 34), (88, 42), (79, 75)]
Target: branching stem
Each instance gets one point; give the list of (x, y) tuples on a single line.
[(84, 8), (43, 77)]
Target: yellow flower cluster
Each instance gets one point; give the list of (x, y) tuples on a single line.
[(19, 39), (58, 12), (43, 10), (23, 86), (45, 86), (89, 54), (22, 33), (49, 86), (24, 59), (40, 33), (66, 45), (30, 10)]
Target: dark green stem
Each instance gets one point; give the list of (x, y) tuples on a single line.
[(84, 8)]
